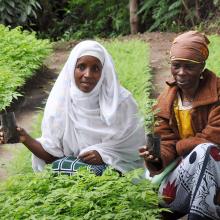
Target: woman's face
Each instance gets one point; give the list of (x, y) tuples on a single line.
[(186, 73), (87, 73)]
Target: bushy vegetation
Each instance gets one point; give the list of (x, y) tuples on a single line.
[(17, 13), (21, 55), (67, 19), (176, 15), (81, 196)]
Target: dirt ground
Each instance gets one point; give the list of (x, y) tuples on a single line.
[(37, 89)]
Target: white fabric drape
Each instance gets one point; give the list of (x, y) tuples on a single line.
[(105, 119)]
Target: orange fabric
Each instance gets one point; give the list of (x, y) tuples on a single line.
[(191, 46)]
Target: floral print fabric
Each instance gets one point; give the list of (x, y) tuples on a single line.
[(193, 188)]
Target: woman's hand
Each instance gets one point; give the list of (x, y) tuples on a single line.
[(21, 132), (23, 135), (145, 153), (91, 157)]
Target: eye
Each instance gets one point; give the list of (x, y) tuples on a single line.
[(191, 66), (175, 65), (96, 68), (81, 67)]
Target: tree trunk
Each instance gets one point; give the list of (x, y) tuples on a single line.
[(133, 16)]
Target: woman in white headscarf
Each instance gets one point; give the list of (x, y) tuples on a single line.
[(89, 118)]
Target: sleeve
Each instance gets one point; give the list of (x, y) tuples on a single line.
[(211, 133), (50, 141), (51, 137)]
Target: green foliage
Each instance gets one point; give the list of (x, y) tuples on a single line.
[(164, 14), (21, 55), (86, 19), (213, 62), (175, 15), (16, 12), (81, 196)]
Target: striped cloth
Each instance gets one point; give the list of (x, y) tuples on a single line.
[(69, 165)]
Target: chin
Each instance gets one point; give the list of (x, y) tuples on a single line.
[(184, 86), (86, 90)]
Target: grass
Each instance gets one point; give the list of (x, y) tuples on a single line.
[(213, 62)]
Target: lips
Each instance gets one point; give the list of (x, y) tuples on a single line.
[(86, 83), (185, 82)]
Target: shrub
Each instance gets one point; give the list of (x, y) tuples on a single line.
[(21, 55), (87, 19), (16, 12), (81, 196)]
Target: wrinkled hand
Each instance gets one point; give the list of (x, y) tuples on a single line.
[(91, 157), (147, 155)]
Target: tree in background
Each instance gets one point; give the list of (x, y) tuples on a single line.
[(19, 13), (175, 15), (67, 19), (133, 16)]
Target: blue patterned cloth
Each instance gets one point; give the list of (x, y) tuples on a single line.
[(69, 165)]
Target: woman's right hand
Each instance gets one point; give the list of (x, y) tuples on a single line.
[(147, 155)]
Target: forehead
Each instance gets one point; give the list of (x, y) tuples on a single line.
[(185, 62), (88, 59)]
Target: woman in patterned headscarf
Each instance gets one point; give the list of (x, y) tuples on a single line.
[(189, 125), (89, 119)]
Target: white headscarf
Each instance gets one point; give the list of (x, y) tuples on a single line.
[(105, 119)]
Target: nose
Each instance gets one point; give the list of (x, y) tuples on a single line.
[(181, 71), (87, 72)]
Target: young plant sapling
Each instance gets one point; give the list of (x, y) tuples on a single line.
[(152, 139)]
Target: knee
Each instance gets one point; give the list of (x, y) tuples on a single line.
[(204, 148)]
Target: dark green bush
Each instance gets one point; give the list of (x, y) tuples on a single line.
[(175, 15), (17, 13), (87, 19)]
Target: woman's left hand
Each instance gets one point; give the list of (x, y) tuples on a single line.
[(91, 157)]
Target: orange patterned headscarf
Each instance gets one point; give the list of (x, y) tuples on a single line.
[(191, 46)]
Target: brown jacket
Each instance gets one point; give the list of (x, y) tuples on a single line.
[(205, 120)]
